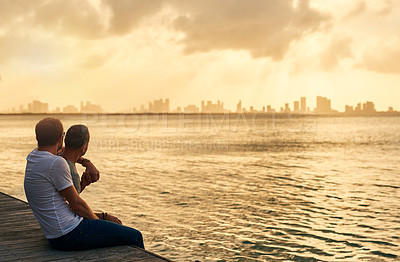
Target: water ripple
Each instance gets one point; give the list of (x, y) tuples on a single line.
[(327, 195)]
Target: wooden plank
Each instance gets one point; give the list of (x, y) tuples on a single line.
[(118, 253), (22, 239), (18, 220), (29, 233), (11, 241), (18, 213), (12, 209), (114, 253)]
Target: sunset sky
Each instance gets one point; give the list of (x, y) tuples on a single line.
[(122, 53)]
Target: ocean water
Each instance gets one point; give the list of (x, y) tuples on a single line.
[(238, 187)]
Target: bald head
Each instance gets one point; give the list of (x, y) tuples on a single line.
[(48, 131)]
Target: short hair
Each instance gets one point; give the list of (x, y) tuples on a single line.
[(77, 136), (48, 131)]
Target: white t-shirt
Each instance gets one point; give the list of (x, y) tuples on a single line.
[(45, 175)]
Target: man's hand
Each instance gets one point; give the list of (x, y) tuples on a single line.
[(106, 216), (85, 181), (92, 172), (113, 219)]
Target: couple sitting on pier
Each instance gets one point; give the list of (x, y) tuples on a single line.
[(52, 187)]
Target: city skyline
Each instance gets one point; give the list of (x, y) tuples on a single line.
[(120, 53), (223, 130), (300, 106)]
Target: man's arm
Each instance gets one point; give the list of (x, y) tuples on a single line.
[(90, 169), (77, 204), (85, 181), (108, 217)]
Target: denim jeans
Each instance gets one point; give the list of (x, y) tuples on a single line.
[(97, 233)]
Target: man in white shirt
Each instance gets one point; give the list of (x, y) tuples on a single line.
[(66, 219)]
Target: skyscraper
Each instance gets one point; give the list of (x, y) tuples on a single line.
[(38, 107), (296, 107), (303, 105), (369, 107), (239, 107), (212, 108), (287, 108), (323, 105), (159, 106)]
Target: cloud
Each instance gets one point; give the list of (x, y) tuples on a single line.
[(73, 17), (264, 28), (388, 7), (95, 61), (126, 14), (14, 10), (383, 59), (359, 9), (7, 48), (339, 48)]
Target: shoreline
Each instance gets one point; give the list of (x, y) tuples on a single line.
[(288, 115)]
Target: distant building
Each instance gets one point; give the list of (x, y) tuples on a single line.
[(348, 109), (369, 108), (323, 105), (390, 109), (159, 106), (90, 108), (358, 108), (303, 105), (212, 108), (239, 107), (296, 107), (69, 109), (366, 108), (287, 108), (270, 110), (191, 109), (38, 107)]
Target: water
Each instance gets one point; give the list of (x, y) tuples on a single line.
[(239, 187)]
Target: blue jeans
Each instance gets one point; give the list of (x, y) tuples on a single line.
[(98, 233)]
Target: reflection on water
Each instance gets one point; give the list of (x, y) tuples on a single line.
[(254, 189)]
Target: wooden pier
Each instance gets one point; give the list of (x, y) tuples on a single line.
[(21, 239)]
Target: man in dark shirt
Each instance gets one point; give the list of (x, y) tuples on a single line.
[(76, 145)]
